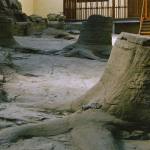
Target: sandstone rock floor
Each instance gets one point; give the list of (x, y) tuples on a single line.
[(42, 79)]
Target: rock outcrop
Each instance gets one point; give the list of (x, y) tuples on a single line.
[(10, 12), (12, 9)]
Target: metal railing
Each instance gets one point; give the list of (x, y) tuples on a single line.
[(117, 9)]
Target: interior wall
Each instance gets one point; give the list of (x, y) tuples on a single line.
[(44, 7), (27, 6)]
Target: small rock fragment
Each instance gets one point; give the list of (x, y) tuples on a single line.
[(1, 78), (91, 106)]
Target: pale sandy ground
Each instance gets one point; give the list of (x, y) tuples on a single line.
[(42, 78), (45, 79)]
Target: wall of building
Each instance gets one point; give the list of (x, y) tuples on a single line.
[(42, 7), (27, 6)]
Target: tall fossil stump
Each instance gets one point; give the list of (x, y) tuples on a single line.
[(124, 89), (96, 34), (95, 39)]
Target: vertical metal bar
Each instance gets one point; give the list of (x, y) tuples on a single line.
[(125, 10), (97, 8), (64, 2), (146, 9), (107, 8), (75, 4), (86, 10), (113, 9)]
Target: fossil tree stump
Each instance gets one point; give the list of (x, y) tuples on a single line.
[(124, 89), (95, 40)]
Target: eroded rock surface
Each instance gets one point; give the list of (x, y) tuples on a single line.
[(122, 91)]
